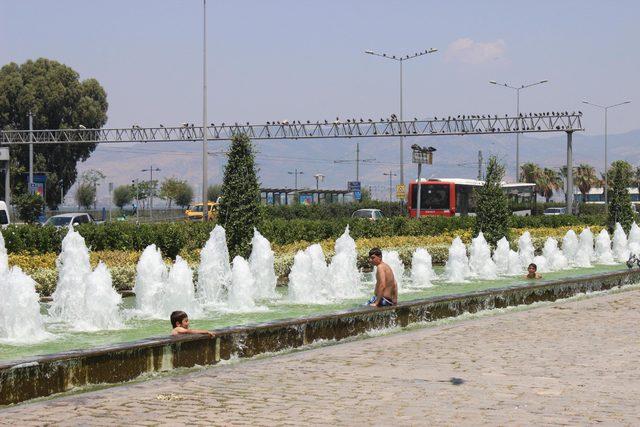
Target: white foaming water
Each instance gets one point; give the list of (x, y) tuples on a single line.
[(307, 279), (151, 275), (603, 249), (554, 258), (392, 259), (179, 292), (480, 262), (20, 318), (343, 275), (526, 251), (4, 256), (507, 260), (634, 239), (83, 298), (620, 244), (585, 253), (214, 271), (541, 264), (261, 262), (570, 246), (457, 267), (422, 274), (241, 292)]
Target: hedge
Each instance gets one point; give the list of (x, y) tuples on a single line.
[(329, 210), (173, 237)]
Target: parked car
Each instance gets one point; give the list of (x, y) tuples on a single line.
[(555, 211), (64, 220), (4, 215), (372, 214)]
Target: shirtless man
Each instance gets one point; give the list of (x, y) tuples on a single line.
[(386, 292)]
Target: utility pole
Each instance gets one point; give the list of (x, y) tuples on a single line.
[(480, 165), (390, 175), (295, 172), (357, 161)]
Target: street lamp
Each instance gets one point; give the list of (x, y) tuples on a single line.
[(295, 172), (390, 175), (421, 155), (205, 207), (517, 89), (319, 177), (606, 163), (151, 170), (401, 59)]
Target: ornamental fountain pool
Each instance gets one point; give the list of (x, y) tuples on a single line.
[(86, 311)]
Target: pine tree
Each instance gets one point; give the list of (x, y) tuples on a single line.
[(240, 205), (619, 201), (492, 212)]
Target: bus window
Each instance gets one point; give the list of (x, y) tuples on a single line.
[(431, 197)]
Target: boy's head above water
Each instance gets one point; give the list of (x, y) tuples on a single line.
[(179, 318)]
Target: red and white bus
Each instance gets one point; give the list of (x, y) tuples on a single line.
[(456, 196)]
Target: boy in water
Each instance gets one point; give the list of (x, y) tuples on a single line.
[(386, 292), (180, 325), (532, 272)]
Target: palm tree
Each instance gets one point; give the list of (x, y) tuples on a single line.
[(585, 179), (530, 172), (548, 181)]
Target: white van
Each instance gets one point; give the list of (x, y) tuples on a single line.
[(4, 215)]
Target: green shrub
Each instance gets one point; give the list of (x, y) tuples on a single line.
[(329, 210)]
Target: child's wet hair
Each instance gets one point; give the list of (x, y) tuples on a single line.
[(177, 317), (534, 266)]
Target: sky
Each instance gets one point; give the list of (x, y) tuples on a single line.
[(305, 60)]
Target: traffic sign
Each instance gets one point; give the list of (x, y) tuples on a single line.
[(353, 186), (357, 195), (401, 191)]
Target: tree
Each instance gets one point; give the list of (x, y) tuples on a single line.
[(548, 181), (213, 192), (492, 212), (85, 194), (620, 202), (184, 195), (365, 195), (170, 188), (30, 206), (122, 195), (239, 208), (636, 179), (530, 172), (57, 98), (585, 178)]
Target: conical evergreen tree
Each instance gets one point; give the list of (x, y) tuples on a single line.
[(240, 205), (619, 200), (492, 212)]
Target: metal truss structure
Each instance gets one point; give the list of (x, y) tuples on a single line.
[(350, 128)]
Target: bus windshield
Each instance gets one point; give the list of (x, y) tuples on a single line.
[(432, 196)]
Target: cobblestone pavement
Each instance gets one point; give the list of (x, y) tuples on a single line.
[(572, 362)]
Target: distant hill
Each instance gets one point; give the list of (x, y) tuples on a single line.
[(456, 157)]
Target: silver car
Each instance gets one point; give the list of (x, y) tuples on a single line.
[(372, 214)]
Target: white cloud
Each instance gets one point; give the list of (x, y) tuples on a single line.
[(469, 51)]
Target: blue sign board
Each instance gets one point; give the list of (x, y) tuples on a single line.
[(357, 195), (353, 185)]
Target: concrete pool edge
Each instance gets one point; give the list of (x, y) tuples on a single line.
[(41, 376)]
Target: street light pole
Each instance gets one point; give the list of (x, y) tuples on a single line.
[(151, 187), (295, 173), (205, 206), (606, 162), (31, 189), (401, 59), (517, 89), (390, 175)]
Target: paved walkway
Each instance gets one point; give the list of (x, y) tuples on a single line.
[(573, 362)]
